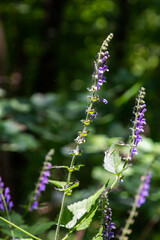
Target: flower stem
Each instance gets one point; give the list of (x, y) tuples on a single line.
[(69, 178), (129, 221), (64, 196), (22, 230), (60, 216), (131, 216)]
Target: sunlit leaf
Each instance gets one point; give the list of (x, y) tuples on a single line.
[(112, 161), (59, 183), (85, 224), (79, 209)]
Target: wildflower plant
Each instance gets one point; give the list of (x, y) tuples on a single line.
[(79, 215)]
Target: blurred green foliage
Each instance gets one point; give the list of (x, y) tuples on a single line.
[(47, 49)]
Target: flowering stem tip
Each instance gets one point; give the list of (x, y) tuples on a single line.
[(140, 198), (138, 122), (108, 225), (43, 180), (144, 189)]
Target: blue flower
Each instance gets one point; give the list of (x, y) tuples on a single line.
[(108, 225), (139, 121), (43, 180), (104, 100), (102, 69), (5, 196)]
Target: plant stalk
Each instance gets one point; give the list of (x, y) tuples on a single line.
[(131, 216), (68, 180), (22, 230)]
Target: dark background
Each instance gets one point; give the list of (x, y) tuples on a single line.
[(47, 50)]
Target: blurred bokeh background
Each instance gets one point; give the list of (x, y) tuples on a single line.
[(47, 51)]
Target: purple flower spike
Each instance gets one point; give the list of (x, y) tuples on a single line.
[(5, 196), (108, 226), (139, 121), (145, 190), (101, 63), (43, 180), (41, 187)]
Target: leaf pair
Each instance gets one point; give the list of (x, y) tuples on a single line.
[(64, 186)]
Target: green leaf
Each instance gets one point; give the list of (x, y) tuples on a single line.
[(6, 230), (128, 94), (19, 234), (20, 106), (17, 229), (112, 161), (59, 183), (61, 167), (67, 216), (77, 167), (79, 209), (16, 218), (85, 224), (20, 143), (99, 235), (64, 186), (43, 100), (11, 127), (76, 184), (40, 228)]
